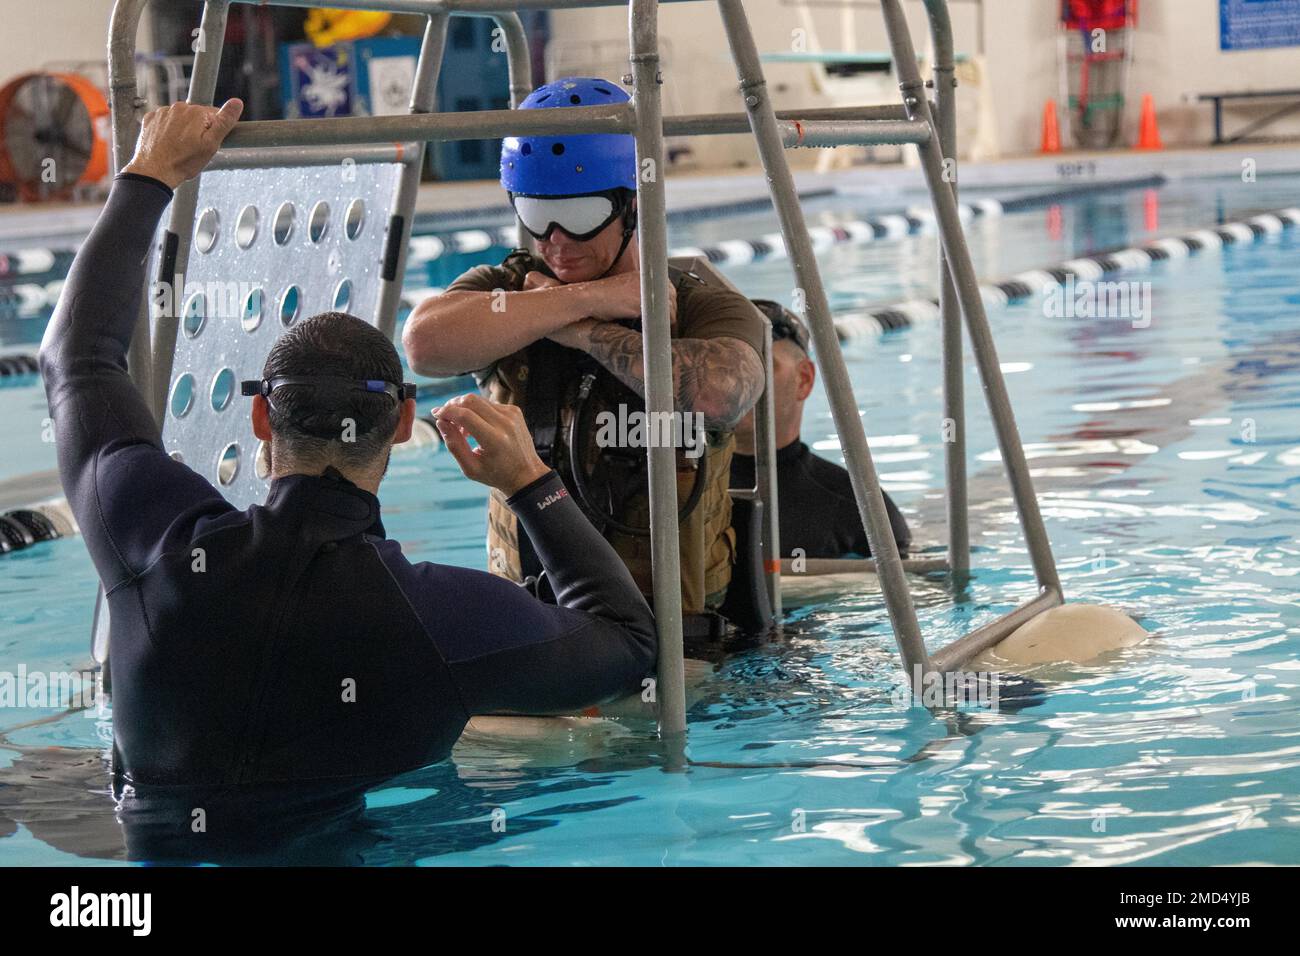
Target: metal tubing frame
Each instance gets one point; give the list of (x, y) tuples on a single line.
[(127, 105), (277, 156), (933, 133), (959, 289), (818, 566), (765, 481), (862, 472), (203, 85), (959, 652), (424, 93), (962, 272), (954, 410), (656, 344), (848, 133), (824, 127), (443, 127)]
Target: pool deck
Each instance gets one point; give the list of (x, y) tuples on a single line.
[(451, 205)]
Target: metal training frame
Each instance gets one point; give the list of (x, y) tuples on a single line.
[(299, 146)]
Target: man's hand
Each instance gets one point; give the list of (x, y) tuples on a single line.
[(540, 280), (505, 458), (619, 297), (575, 335), (177, 141), (610, 299)]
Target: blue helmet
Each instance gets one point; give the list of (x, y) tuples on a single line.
[(569, 165)]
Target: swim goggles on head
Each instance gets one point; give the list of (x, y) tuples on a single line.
[(785, 324), (265, 386)]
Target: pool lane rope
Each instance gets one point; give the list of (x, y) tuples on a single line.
[(45, 269), (917, 220), (22, 299), (23, 527), (51, 519), (730, 252), (871, 323), (14, 365), (920, 219)]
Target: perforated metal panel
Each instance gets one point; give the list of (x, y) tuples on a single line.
[(271, 246)]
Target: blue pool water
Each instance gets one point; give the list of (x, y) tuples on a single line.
[(1167, 459)]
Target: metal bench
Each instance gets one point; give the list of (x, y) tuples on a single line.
[(1240, 136)]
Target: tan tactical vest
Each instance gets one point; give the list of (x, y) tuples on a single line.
[(707, 541)]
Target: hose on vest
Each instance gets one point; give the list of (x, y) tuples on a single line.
[(578, 434)]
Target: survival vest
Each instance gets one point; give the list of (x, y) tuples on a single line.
[(547, 381)]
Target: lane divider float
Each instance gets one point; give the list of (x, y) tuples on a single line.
[(33, 298), (871, 323), (21, 528), (14, 365)]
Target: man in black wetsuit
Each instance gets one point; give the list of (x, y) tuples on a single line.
[(293, 641), (817, 511)]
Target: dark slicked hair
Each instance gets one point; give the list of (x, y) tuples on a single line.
[(310, 423)]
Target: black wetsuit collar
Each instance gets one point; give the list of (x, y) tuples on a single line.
[(341, 508), (784, 456)]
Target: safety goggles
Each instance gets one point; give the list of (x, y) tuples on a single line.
[(265, 386), (579, 217)]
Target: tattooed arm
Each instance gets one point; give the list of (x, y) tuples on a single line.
[(721, 378)]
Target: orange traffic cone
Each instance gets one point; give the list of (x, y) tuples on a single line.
[(1051, 129), (1148, 132)]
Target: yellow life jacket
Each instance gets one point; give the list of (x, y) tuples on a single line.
[(707, 540)]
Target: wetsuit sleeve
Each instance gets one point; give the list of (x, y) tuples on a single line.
[(124, 490), (596, 644)]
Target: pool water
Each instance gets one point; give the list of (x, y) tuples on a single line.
[(1167, 460)]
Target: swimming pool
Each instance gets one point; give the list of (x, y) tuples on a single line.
[(1166, 460)]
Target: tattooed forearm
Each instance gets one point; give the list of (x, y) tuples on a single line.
[(720, 378), (618, 349)]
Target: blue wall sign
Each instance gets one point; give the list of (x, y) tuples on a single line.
[(1258, 24)]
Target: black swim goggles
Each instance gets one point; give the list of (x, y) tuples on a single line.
[(581, 218), (265, 386), (785, 324)]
